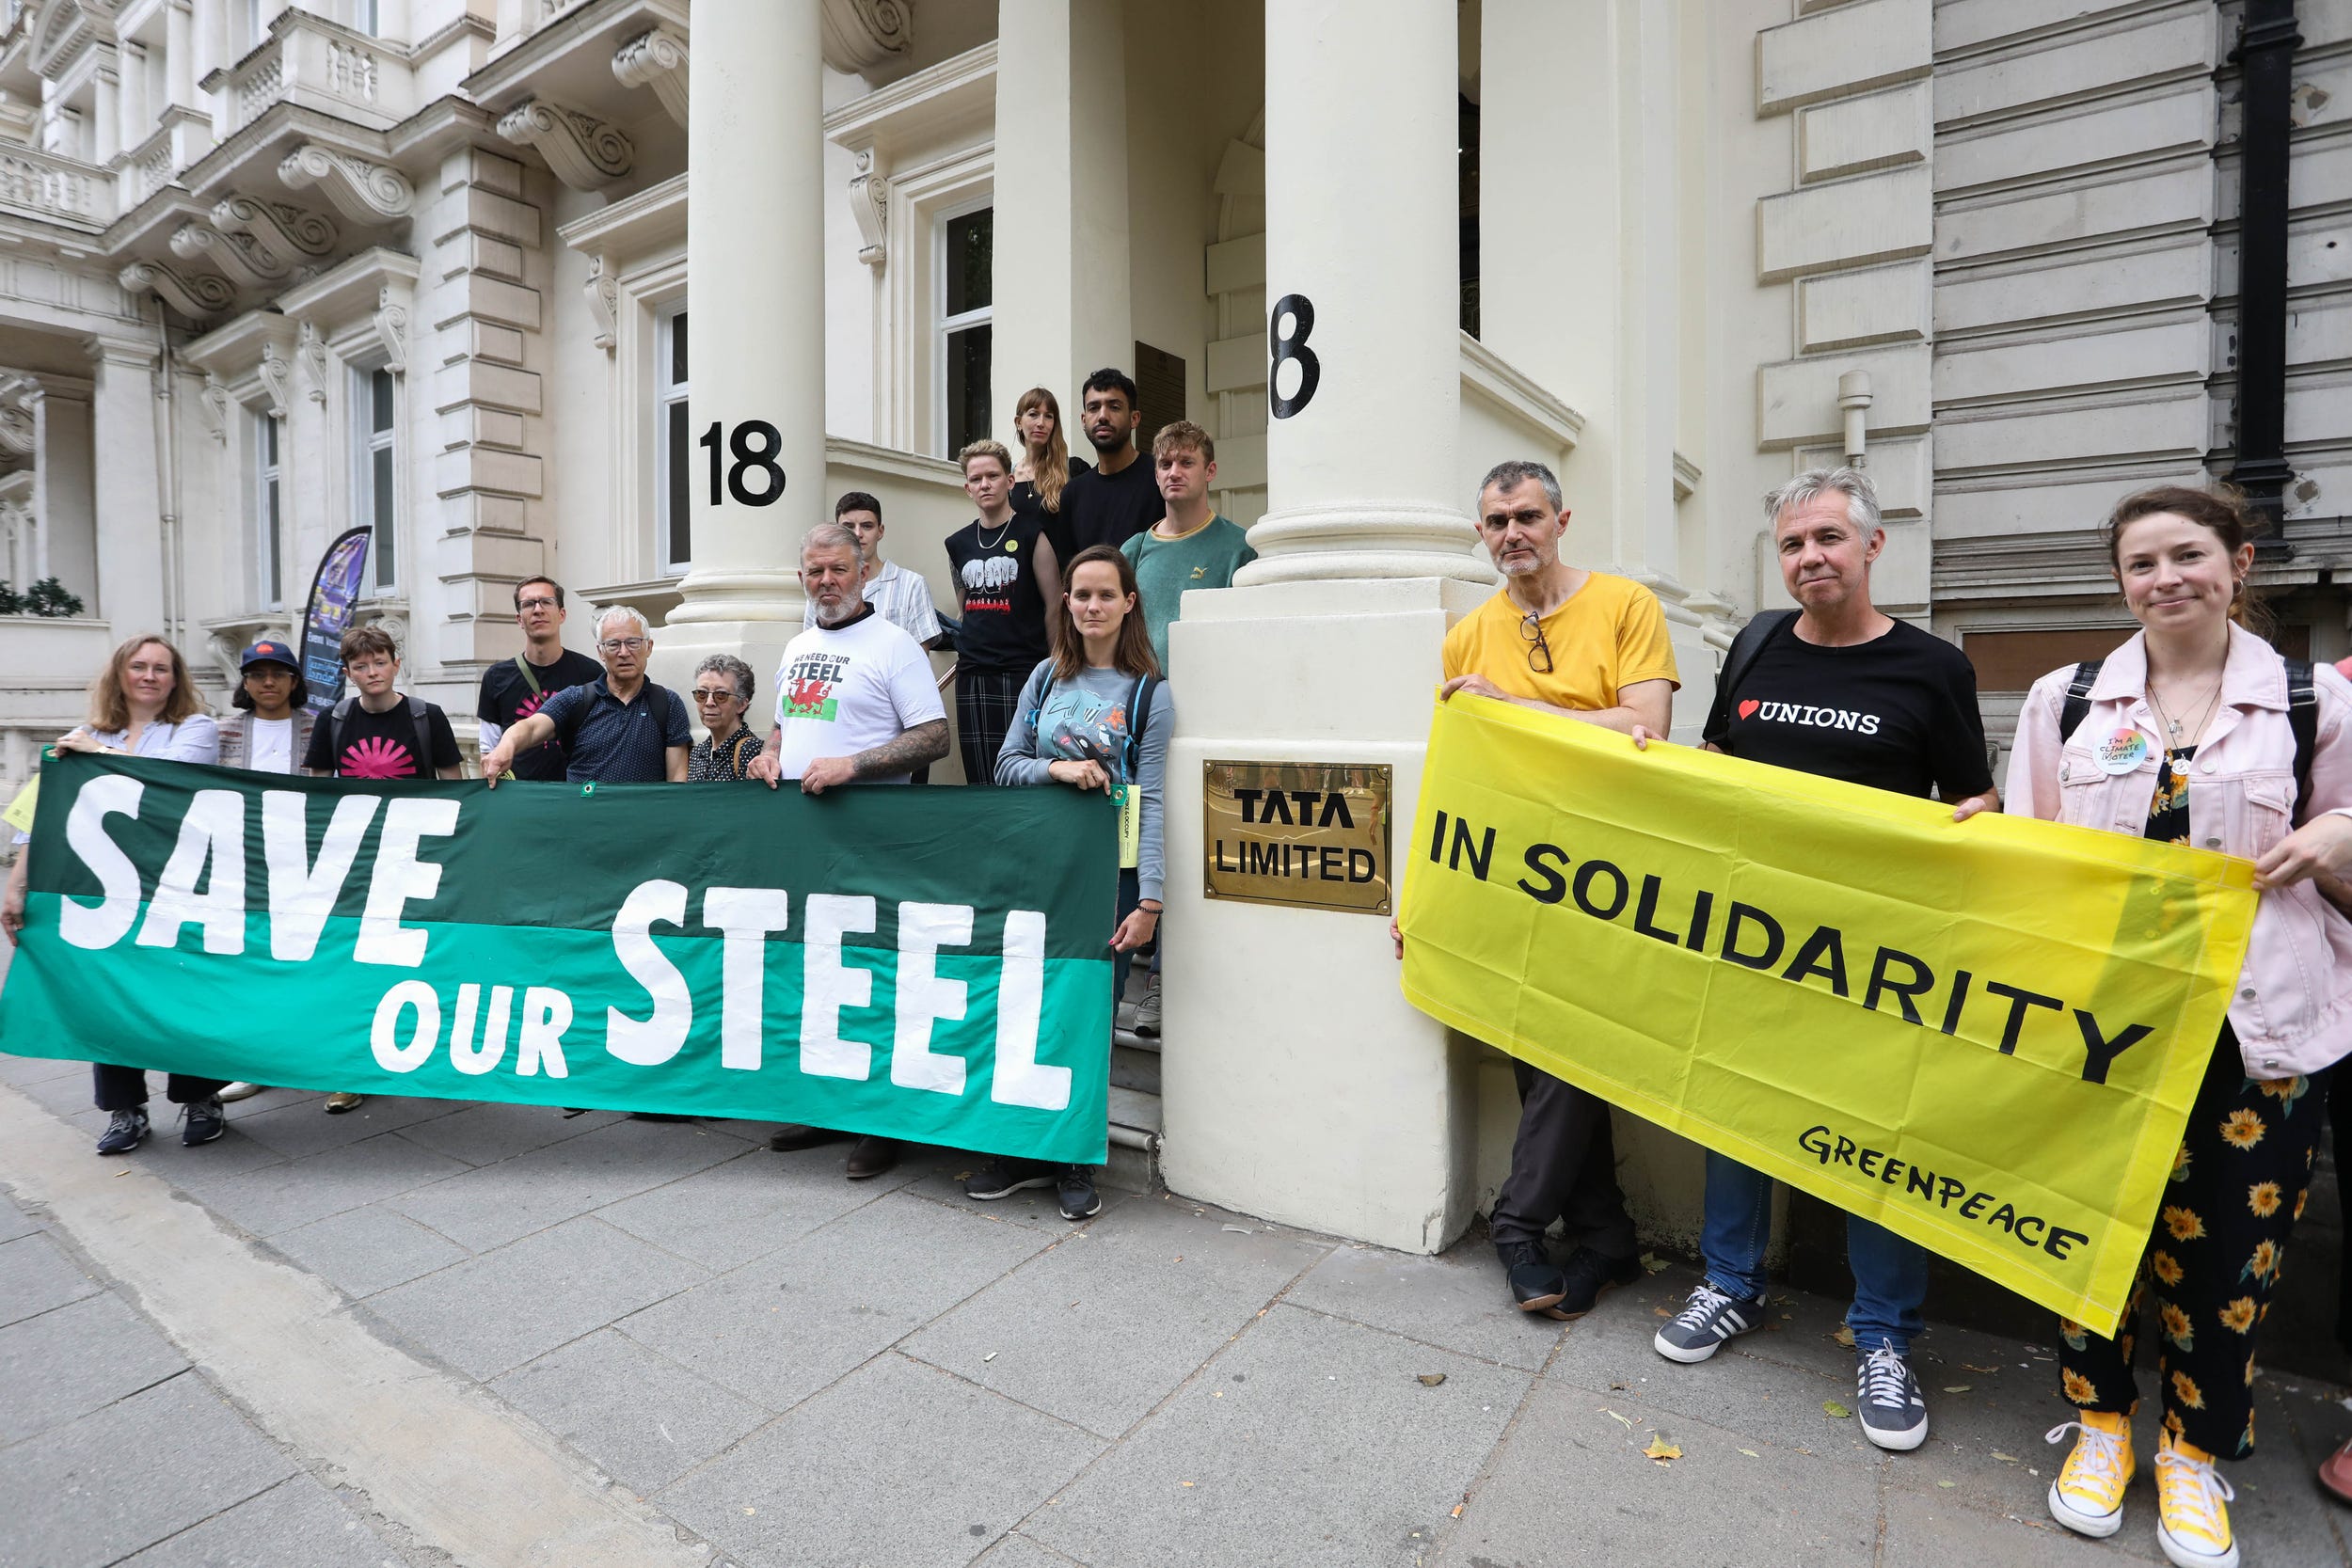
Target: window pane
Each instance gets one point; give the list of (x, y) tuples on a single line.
[(678, 547), (269, 441), (678, 349), (275, 543), (967, 387), (381, 482), (381, 386), (970, 240)]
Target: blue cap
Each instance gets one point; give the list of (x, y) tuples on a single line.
[(270, 650)]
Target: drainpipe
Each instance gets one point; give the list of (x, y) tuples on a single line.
[(1854, 400), (2266, 56), (168, 485)]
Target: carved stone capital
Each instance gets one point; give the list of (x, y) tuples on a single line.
[(656, 59), (277, 378), (241, 256), (604, 302), (869, 203), (391, 328), (310, 353), (362, 190), (217, 403), (585, 152), (195, 295), (285, 228), (862, 34)]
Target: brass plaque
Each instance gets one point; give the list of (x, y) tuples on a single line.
[(1311, 834)]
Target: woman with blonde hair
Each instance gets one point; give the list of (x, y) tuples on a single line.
[(1045, 464), (142, 704)]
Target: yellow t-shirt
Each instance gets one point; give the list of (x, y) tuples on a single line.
[(1608, 635)]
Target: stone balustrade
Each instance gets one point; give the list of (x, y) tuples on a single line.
[(53, 186), (320, 65)]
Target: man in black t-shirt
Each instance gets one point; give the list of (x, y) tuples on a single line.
[(1120, 497), (513, 690), (1008, 583), (1839, 690)]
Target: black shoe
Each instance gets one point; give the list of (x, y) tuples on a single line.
[(1003, 1177), (793, 1134), (1535, 1285), (125, 1132), (1588, 1274), (1894, 1412), (203, 1120), (657, 1115), (1079, 1200), (871, 1156)]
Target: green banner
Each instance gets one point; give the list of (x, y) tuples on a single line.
[(931, 964)]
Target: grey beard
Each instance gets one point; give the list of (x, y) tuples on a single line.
[(833, 616)]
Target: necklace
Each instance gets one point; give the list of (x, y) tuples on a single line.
[(2174, 726), (987, 544)]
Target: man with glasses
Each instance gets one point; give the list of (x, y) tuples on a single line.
[(1590, 646), (618, 728), (513, 690)]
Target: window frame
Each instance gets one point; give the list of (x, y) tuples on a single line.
[(366, 441), (668, 393), (269, 509), (945, 326)]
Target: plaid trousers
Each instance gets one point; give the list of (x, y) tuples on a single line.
[(985, 699)]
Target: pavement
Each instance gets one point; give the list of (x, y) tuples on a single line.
[(432, 1333)]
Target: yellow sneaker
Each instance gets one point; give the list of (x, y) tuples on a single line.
[(2088, 1495), (2192, 1525)]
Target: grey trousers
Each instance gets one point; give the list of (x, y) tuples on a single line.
[(1564, 1166)]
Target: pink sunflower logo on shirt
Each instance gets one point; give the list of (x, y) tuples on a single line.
[(530, 706), (377, 758)]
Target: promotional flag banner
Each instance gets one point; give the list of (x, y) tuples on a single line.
[(930, 964), (1983, 1036), (334, 589)]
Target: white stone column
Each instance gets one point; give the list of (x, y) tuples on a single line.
[(180, 72), (105, 116), (756, 292), (127, 497), (1061, 273), (1297, 1083), (67, 546)]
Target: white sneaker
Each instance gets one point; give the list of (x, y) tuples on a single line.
[(239, 1091)]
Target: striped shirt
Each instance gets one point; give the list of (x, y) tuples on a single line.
[(899, 596)]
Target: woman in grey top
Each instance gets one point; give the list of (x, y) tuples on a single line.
[(1095, 715), (142, 704)]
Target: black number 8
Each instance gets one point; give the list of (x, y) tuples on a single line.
[(763, 460), (1292, 347)]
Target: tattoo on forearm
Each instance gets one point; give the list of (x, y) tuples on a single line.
[(925, 743)]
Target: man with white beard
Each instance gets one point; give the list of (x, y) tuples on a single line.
[(855, 703)]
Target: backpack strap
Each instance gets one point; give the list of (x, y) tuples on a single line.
[(420, 715), (2077, 708), (335, 717), (1750, 642), (1140, 715), (522, 668), (2303, 717)]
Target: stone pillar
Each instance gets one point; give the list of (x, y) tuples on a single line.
[(754, 251), (66, 546), (180, 72), (127, 497), (105, 116), (1060, 275), (1298, 1084)]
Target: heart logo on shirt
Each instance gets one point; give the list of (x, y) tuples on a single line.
[(1747, 709)]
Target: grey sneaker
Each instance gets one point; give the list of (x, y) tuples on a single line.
[(126, 1130), (1147, 1010), (1894, 1412), (203, 1120), (1075, 1188), (1707, 1320)]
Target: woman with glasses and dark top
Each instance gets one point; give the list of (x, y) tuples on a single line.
[(722, 694), (1095, 715)]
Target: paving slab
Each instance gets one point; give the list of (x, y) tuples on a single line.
[(1729, 1498), (367, 1249), (304, 1128), (15, 1222), (778, 1329), (1930, 1531), (1050, 1333), (828, 1482), (196, 1171), (485, 1134), (120, 1478), (279, 1197), (730, 1213), (1457, 1299), (295, 1523), (1310, 1441), (1019, 1551), (495, 1204), (22, 1070), (1039, 1208), (642, 1420), (81, 1358), (504, 1308), (36, 1275)]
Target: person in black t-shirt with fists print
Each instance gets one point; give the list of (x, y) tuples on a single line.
[(1836, 688)]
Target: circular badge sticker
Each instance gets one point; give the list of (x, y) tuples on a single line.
[(1011, 545), (2123, 752)]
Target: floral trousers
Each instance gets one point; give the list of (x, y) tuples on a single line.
[(2239, 1182)]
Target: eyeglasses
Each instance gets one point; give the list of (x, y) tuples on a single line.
[(1538, 651), (622, 644), (703, 695), (527, 604)]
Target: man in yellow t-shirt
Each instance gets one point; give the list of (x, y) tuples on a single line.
[(1593, 647)]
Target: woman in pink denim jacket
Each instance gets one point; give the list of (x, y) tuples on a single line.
[(2187, 738)]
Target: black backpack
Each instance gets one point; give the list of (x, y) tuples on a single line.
[(420, 714), (2302, 714), (1750, 642)]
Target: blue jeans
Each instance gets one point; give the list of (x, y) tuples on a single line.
[(1890, 1275)]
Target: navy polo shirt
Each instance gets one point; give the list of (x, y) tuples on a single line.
[(609, 741)]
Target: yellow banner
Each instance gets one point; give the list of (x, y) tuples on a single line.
[(1984, 1035)]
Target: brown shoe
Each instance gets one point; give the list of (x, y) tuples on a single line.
[(871, 1156), (2335, 1473), (338, 1103), (793, 1134)]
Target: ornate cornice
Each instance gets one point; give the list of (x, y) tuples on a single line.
[(195, 295), (656, 59), (585, 152), (363, 190), (241, 256), (862, 34), (282, 227)]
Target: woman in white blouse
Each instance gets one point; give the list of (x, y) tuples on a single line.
[(143, 704)]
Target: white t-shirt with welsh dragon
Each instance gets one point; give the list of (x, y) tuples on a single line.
[(846, 690)]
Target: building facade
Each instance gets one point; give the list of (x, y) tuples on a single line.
[(429, 267)]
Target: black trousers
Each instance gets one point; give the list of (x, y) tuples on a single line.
[(1564, 1166), (120, 1088)]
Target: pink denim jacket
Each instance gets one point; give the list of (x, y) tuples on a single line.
[(2292, 1011)]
